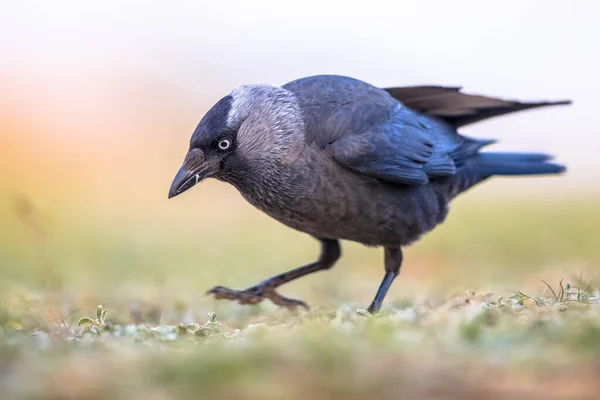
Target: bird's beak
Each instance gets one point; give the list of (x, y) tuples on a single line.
[(188, 176)]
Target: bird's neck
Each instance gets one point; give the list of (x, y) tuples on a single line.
[(271, 187)]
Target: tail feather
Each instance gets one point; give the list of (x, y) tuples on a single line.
[(458, 108), (489, 164), (485, 165)]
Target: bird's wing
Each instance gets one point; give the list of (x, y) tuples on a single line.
[(457, 108), (366, 130), (334, 106), (409, 148)]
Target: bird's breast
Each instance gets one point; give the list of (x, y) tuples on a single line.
[(323, 199)]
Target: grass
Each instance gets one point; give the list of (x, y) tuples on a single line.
[(464, 347), (499, 303)]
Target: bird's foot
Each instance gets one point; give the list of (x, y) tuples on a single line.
[(255, 295)]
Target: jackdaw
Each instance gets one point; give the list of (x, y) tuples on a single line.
[(340, 159)]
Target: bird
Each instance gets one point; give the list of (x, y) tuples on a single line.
[(340, 159)]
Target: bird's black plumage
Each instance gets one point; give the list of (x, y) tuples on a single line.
[(338, 158), (214, 121), (457, 108)]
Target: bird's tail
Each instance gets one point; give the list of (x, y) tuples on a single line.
[(487, 164)]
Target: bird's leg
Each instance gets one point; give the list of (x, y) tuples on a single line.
[(330, 252), (393, 261)]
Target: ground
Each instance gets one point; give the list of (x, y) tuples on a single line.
[(499, 303)]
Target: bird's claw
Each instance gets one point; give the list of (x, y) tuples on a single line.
[(248, 296), (255, 295)]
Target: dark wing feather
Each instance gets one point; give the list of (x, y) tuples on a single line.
[(334, 106), (457, 108), (409, 148), (395, 151), (368, 131)]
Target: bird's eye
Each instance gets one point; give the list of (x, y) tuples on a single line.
[(224, 144)]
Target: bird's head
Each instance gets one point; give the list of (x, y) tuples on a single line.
[(253, 129)]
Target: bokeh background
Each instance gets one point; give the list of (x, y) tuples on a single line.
[(98, 100)]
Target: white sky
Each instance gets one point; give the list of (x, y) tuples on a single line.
[(516, 49)]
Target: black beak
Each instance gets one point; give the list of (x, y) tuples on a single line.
[(185, 179)]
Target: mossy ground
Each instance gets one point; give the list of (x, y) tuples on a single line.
[(469, 317)]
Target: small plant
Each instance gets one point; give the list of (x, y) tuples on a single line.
[(520, 297), (210, 327), (565, 292), (94, 325)]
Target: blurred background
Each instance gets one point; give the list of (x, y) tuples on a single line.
[(98, 100)]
